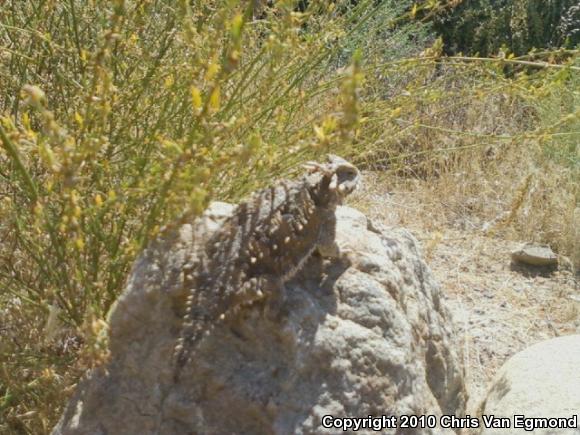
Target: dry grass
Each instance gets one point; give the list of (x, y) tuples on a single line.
[(499, 152), (497, 310)]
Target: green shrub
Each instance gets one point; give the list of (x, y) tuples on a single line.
[(119, 116), (485, 26)]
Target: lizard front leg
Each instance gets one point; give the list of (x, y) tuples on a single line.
[(327, 246)]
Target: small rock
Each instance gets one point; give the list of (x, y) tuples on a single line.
[(535, 255)]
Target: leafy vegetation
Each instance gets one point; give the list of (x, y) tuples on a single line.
[(117, 117), (518, 26)]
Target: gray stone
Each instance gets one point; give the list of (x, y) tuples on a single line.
[(535, 255), (345, 338), (540, 381)]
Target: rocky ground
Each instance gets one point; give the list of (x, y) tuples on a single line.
[(499, 309)]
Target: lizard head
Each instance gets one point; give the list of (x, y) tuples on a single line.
[(345, 177), (336, 179)]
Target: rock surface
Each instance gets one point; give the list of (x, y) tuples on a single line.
[(540, 381), (347, 338), (535, 255)]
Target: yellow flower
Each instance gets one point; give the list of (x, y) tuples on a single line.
[(212, 70), (236, 26), (214, 99), (196, 98), (79, 119)]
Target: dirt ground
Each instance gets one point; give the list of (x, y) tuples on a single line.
[(498, 309)]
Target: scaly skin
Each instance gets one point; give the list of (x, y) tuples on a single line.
[(262, 245)]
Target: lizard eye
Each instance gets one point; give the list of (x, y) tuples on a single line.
[(347, 174)]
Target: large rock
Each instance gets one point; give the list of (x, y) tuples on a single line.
[(541, 381), (369, 336)]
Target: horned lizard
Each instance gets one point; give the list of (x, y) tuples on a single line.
[(262, 245)]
